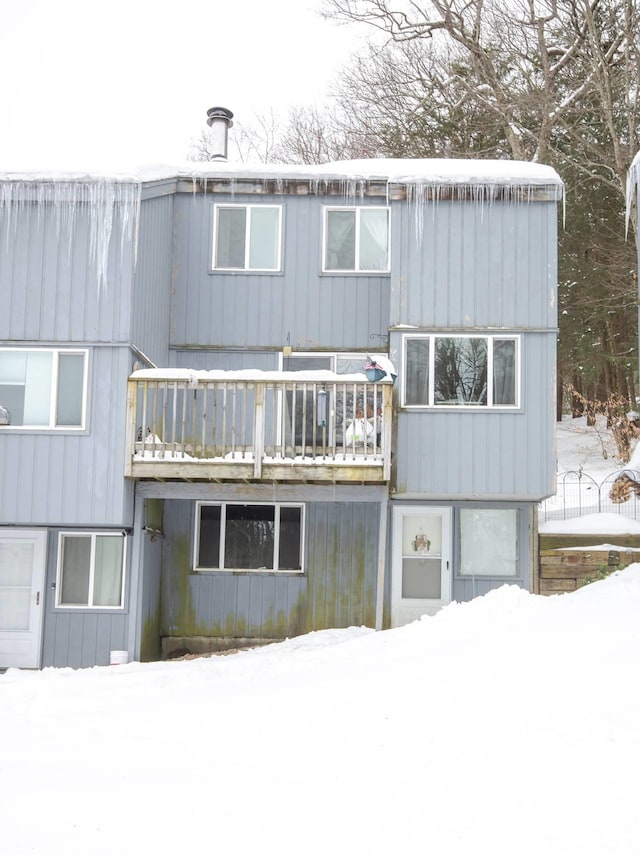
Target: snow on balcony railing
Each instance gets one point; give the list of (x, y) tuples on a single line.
[(265, 422)]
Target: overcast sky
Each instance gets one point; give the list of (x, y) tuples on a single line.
[(128, 82)]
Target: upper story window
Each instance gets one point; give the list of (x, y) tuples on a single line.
[(461, 371), (356, 240), (43, 388), (258, 537), (247, 237)]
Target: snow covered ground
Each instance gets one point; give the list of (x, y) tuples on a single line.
[(507, 725), (591, 452)]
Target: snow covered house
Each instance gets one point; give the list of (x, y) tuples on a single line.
[(197, 448)]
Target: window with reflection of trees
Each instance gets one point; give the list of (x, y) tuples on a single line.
[(470, 370)]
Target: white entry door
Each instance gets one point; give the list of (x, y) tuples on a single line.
[(22, 568), (421, 563)]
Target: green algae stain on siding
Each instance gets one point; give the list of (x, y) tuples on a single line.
[(150, 642), (153, 514), (343, 565), (287, 623), (336, 590), (181, 619)]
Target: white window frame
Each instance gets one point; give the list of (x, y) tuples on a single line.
[(334, 355), (490, 338), (56, 354), (247, 247), (59, 571), (276, 543), (357, 209), (471, 573)]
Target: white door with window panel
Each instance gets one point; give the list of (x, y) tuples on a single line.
[(421, 562), (22, 569)]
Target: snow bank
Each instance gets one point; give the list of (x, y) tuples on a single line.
[(507, 724), (592, 524)]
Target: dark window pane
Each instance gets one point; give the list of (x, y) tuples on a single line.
[(209, 542), (290, 538), (340, 250), (76, 568), (231, 238), (249, 537), (504, 371), (305, 413), (70, 388), (299, 419), (417, 371), (460, 371)]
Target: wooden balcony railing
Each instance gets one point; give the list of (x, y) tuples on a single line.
[(279, 426)]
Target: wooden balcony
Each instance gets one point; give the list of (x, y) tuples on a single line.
[(257, 426)]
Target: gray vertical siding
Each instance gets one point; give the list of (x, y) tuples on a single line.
[(149, 635), (475, 453), (50, 288), (342, 557), (78, 638), (151, 295), (52, 293), (479, 266), (337, 589), (484, 265), (299, 306), (83, 639), (55, 477), (220, 360)]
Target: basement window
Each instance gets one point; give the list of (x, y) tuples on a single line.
[(253, 538)]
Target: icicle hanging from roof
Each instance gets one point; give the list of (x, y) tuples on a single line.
[(422, 193), (106, 200)]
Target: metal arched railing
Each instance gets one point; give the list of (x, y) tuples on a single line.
[(578, 494)]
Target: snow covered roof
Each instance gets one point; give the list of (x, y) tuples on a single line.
[(393, 170), (434, 172), (418, 181)]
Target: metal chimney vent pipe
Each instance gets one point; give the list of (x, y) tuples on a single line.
[(219, 120)]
